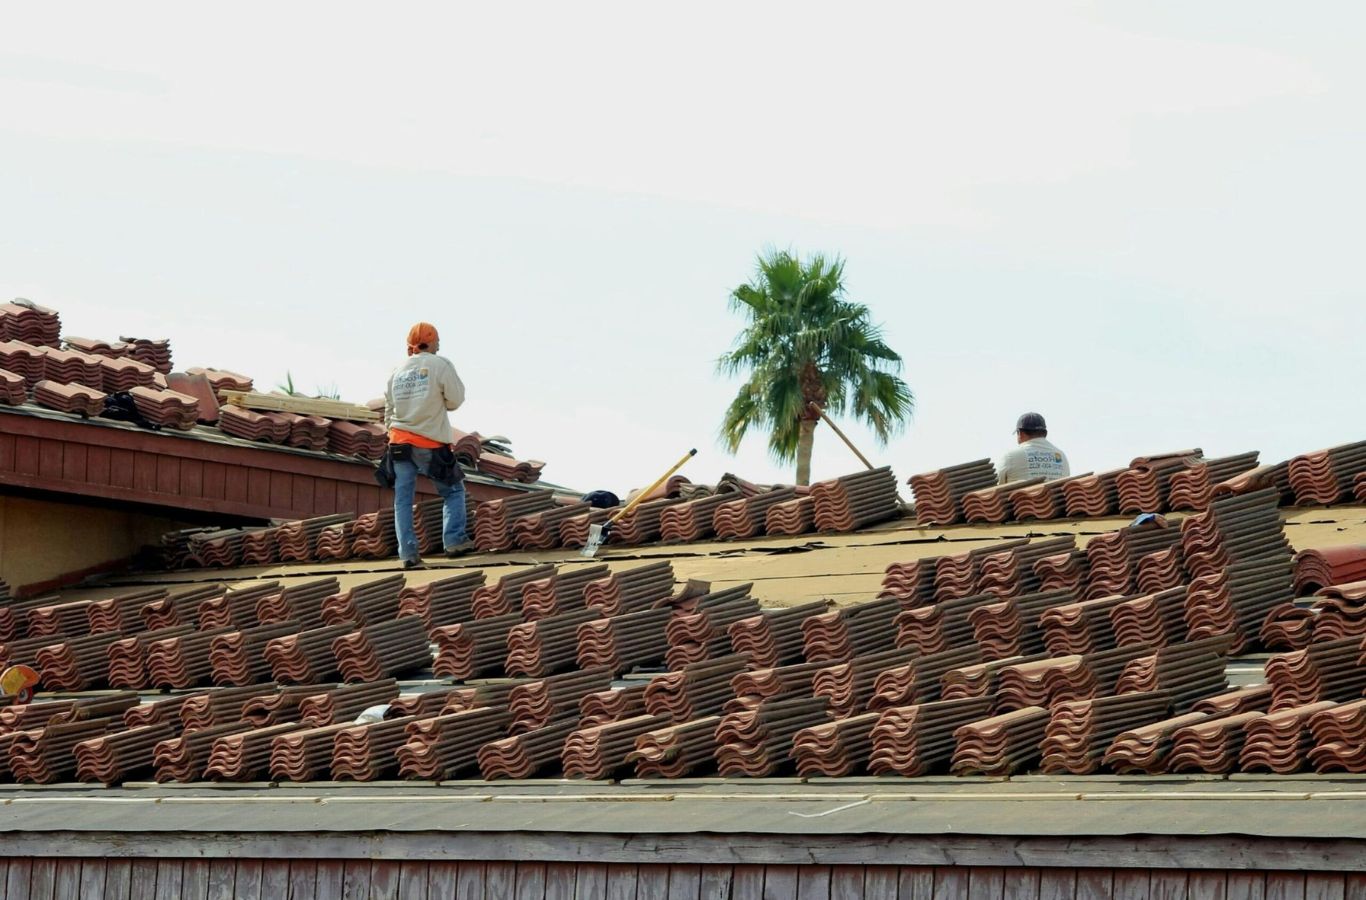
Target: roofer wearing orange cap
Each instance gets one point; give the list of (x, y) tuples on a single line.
[(419, 395), (1034, 457)]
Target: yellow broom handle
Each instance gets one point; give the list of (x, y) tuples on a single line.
[(663, 478)]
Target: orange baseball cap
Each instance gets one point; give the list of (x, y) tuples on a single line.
[(421, 336)]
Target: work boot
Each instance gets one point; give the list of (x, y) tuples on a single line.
[(412, 564), (460, 549)]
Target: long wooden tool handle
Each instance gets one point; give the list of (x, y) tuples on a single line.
[(663, 478), (848, 443)]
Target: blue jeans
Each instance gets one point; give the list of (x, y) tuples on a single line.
[(405, 486)]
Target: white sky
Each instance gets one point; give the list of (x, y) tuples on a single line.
[(1142, 220)]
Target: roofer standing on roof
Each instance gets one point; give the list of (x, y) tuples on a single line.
[(1035, 457), (419, 394)]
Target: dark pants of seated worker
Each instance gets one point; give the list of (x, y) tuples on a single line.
[(452, 512)]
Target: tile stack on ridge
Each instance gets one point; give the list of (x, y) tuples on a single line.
[(791, 517), (24, 320), (509, 469), (1327, 476), (939, 495), (1092, 496), (148, 351), (13, 389), (746, 517), (167, 409), (691, 520), (855, 501), (993, 504), (1144, 485), (918, 740), (367, 440), (69, 398), (72, 367), (250, 425), (222, 379), (125, 374), (1193, 488), (1043, 501), (24, 360), (493, 519)]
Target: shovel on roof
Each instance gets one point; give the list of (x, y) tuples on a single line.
[(598, 534)]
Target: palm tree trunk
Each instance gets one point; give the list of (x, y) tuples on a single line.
[(805, 439)]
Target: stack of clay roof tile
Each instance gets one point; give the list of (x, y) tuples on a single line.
[(536, 703), (1012, 627), (691, 520), (334, 541), (24, 360), (630, 590), (774, 637), (1280, 741), (547, 645), (1315, 569), (369, 752), (183, 759), (1042, 501), (182, 661), (676, 751), (939, 495), (980, 679), (702, 632), (277, 704), (993, 504), (1212, 745), (601, 750), (244, 755), (304, 602), (560, 592), (181, 607), (368, 440), (1360, 491), (918, 740), (525, 754), (1193, 488), (1327, 476), (238, 657), (308, 432), (505, 594), (1161, 569), (261, 547), (1011, 573), (835, 749), (509, 469), (1325, 670), (68, 398), (941, 626), (45, 755), (1092, 495), (574, 530), (791, 517), (921, 679), (1155, 619), (852, 630), (1237, 600), (745, 517), (757, 742), (13, 388), (1276, 477), (1081, 627), (541, 530), (445, 601), (854, 501), (373, 535), (383, 649), (1079, 732), (306, 657), (298, 540), (114, 757), (345, 702), (848, 687), (205, 709), (1143, 486), (1339, 737), (239, 607), (1075, 677), (24, 320), (1112, 558), (644, 523), (154, 352), (1233, 529), (1340, 611), (625, 641), (222, 379), (127, 656), (1186, 673), (124, 612), (695, 690), (957, 576), (911, 582), (466, 445), (1000, 745), (251, 425), (77, 662), (493, 519), (124, 375), (218, 548), (469, 649), (447, 745), (365, 604), (304, 755), (613, 705)]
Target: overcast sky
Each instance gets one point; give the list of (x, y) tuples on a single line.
[(1142, 220)]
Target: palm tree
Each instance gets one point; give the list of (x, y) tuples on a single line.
[(804, 345)]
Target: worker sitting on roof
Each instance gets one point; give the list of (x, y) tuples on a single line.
[(1035, 457), (419, 394)]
